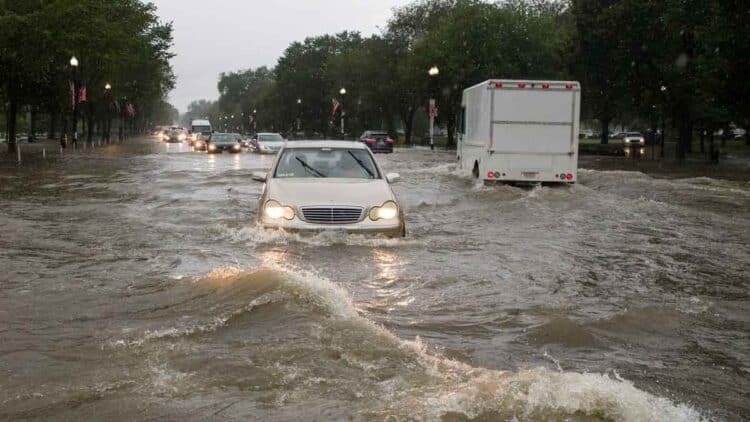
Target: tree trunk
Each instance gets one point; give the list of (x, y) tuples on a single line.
[(52, 124), (451, 125), (32, 123), (684, 131), (408, 120), (90, 124), (11, 123), (703, 139), (605, 131)]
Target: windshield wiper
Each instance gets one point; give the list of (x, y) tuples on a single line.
[(309, 168), (361, 164)]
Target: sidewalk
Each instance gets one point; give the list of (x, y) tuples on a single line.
[(44, 149)]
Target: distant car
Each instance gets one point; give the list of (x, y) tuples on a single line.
[(329, 186), (176, 136), (200, 142), (633, 139), (377, 141), (267, 143), (633, 144), (220, 142)]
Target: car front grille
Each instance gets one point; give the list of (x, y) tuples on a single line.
[(332, 215)]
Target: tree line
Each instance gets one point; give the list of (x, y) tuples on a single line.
[(122, 53), (672, 65)]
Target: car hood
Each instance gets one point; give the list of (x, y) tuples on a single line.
[(274, 145), (320, 191)]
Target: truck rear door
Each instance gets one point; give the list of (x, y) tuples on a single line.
[(533, 120)]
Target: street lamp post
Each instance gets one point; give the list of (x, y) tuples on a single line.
[(299, 113), (107, 120), (342, 91), (75, 84), (433, 74), (255, 121)]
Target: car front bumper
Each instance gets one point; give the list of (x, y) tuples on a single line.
[(390, 228)]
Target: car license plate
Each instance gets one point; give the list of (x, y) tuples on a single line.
[(530, 174), (334, 231)]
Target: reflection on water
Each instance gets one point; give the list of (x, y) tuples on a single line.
[(273, 258)]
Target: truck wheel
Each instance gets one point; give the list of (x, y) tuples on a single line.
[(475, 170)]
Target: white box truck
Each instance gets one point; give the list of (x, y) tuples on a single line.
[(520, 131)]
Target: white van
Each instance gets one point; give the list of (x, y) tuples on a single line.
[(520, 131), (200, 126)]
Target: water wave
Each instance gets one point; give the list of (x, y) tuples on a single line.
[(408, 379)]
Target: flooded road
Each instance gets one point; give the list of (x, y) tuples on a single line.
[(135, 285)]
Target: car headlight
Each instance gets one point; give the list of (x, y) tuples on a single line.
[(182, 137), (274, 210), (236, 147), (387, 211), (212, 147)]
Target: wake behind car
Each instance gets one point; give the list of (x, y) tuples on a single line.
[(220, 142), (377, 141), (329, 186)]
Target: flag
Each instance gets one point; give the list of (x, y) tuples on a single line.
[(82, 94), (336, 105)]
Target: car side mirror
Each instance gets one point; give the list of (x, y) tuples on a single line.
[(392, 177), (260, 176)]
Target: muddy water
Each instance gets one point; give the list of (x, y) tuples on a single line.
[(134, 285)]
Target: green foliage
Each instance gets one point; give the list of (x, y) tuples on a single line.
[(118, 42)]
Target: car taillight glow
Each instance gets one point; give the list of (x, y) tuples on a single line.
[(545, 85), (389, 141), (498, 84), (369, 140), (490, 174), (570, 176), (568, 86), (522, 85)]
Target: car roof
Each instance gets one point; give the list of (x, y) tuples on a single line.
[(268, 133), (325, 144)]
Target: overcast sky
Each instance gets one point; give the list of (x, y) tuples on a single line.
[(214, 36)]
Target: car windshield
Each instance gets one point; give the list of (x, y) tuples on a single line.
[(201, 128), (275, 137), (223, 137), (326, 162), (380, 136)]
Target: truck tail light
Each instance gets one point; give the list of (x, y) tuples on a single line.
[(570, 176), (522, 85), (568, 86), (545, 85), (498, 84), (490, 174)]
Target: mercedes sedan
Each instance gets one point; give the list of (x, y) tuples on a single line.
[(329, 186)]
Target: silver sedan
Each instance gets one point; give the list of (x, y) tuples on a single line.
[(329, 186)]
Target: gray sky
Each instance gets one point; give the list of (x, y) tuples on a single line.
[(214, 36)]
